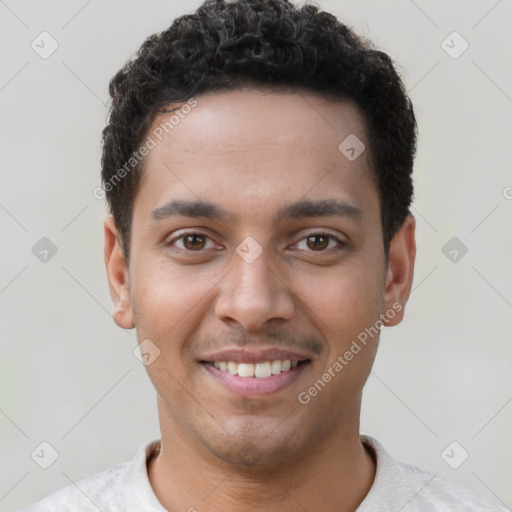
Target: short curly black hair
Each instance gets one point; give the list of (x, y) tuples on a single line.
[(228, 45)]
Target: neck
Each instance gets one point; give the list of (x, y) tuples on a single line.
[(335, 474)]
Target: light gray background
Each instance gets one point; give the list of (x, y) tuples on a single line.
[(68, 375)]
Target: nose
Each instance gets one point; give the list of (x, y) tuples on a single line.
[(253, 294)]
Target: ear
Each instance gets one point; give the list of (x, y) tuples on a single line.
[(118, 278), (402, 253)]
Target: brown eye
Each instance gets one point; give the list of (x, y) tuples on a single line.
[(318, 242), (321, 242), (192, 245), (194, 242)]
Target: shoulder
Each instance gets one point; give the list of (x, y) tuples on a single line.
[(110, 490), (412, 489), (102, 491)]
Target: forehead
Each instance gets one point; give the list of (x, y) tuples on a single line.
[(248, 117), (257, 143)]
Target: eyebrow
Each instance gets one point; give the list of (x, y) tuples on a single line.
[(189, 209), (321, 208), (300, 209)]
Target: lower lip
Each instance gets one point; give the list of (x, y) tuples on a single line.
[(254, 386)]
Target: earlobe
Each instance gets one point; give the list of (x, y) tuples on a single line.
[(118, 277), (402, 254)]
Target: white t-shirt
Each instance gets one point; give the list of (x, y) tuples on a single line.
[(397, 487)]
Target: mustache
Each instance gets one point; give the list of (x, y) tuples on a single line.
[(276, 338)]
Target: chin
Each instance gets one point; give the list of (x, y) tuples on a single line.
[(251, 454), (255, 447)]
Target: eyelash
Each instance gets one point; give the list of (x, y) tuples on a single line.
[(185, 235), (182, 236), (340, 243)]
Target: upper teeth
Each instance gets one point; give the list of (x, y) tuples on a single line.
[(260, 370)]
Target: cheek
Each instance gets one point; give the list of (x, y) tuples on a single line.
[(344, 302), (169, 306), (168, 301)]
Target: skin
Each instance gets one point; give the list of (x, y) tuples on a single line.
[(253, 152)]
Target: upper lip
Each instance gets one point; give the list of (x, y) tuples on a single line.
[(255, 355)]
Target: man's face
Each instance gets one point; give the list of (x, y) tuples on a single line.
[(255, 240)]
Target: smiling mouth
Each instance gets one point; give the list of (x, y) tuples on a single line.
[(262, 370)]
